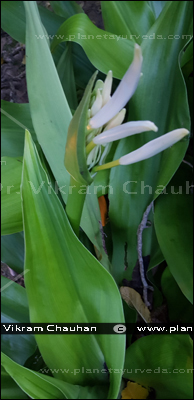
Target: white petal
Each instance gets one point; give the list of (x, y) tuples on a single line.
[(123, 92), (105, 153), (97, 104), (116, 121), (94, 156), (125, 130), (107, 88), (154, 147)]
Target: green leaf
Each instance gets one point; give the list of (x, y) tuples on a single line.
[(15, 119), (72, 273), (99, 45), (14, 308), (82, 66), (187, 56), (10, 19), (174, 228), (39, 386), (75, 151), (129, 19), (14, 20), (51, 120), (157, 6), (156, 255), (9, 388), (14, 302), (163, 362), (52, 116), (130, 317), (187, 70), (11, 202), (156, 258), (179, 308), (91, 223), (160, 94), (66, 75), (66, 8), (12, 251), (75, 159), (36, 363)]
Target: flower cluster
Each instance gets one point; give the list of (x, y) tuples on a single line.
[(106, 115)]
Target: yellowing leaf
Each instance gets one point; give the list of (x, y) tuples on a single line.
[(133, 299), (134, 391)]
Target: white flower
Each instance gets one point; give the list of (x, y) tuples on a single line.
[(128, 129), (107, 114), (150, 149), (154, 147), (122, 94), (97, 104), (107, 88)]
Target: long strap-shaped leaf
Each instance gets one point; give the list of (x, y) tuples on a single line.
[(160, 97), (15, 118), (111, 51), (51, 117), (174, 228), (9, 388), (41, 386), (14, 309), (66, 284), (129, 19)]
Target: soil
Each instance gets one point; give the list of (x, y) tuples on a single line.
[(93, 10), (13, 75)]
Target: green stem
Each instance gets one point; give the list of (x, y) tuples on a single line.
[(75, 203), (90, 147), (106, 166)]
